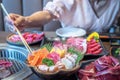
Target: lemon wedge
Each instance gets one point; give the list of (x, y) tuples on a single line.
[(94, 35)]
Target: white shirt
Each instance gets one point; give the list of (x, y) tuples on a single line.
[(91, 16)]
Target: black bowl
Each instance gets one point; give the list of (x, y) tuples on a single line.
[(113, 52)]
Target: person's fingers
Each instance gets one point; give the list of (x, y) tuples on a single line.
[(16, 20), (21, 28), (13, 16), (20, 21)]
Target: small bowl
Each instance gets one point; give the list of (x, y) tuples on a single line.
[(112, 52), (70, 32)]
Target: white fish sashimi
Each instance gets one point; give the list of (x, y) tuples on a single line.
[(43, 68), (71, 58), (68, 64)]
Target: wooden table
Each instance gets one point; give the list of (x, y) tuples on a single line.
[(3, 36)]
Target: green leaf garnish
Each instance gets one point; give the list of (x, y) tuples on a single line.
[(48, 62), (72, 50), (48, 46), (117, 52)]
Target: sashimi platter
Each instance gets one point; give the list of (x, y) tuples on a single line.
[(64, 57)]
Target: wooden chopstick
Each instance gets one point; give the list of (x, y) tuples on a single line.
[(23, 40)]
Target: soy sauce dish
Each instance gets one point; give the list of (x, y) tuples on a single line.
[(70, 32)]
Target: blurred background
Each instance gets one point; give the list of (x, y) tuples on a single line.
[(27, 7)]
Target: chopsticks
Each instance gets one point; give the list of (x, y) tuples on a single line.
[(21, 37)]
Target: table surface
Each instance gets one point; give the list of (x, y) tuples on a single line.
[(3, 36)]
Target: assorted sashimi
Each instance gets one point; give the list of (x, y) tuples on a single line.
[(30, 37), (78, 43), (64, 54), (93, 45), (59, 56)]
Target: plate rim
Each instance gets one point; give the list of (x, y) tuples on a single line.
[(57, 32)]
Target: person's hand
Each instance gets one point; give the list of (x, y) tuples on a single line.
[(18, 20), (15, 20)]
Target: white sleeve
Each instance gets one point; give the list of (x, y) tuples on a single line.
[(58, 7)]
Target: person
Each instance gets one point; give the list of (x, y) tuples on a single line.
[(91, 15)]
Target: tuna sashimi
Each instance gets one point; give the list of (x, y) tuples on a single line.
[(78, 43)]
